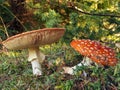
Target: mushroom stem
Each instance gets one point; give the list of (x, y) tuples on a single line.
[(86, 62), (70, 70), (36, 57), (36, 67)]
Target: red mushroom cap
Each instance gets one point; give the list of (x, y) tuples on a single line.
[(95, 51)]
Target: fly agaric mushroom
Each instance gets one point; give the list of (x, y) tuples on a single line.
[(93, 50), (32, 40)]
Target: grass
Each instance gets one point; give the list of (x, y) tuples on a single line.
[(16, 72)]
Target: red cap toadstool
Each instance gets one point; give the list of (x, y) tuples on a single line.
[(32, 40), (95, 51)]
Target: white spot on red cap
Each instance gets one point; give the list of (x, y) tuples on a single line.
[(78, 45), (91, 48)]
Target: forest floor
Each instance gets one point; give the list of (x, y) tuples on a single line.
[(16, 72)]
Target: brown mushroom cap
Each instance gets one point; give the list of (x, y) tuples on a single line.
[(34, 38)]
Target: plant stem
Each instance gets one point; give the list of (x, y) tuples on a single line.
[(5, 29), (15, 17)]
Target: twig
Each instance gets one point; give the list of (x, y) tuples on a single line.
[(15, 17), (94, 14), (71, 5), (5, 30)]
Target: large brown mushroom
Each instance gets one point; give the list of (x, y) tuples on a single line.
[(93, 51), (32, 40)]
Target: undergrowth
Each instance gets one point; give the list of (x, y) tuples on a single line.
[(16, 72)]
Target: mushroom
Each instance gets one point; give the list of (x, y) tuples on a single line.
[(94, 51), (31, 40)]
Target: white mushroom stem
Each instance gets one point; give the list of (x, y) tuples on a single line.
[(70, 70), (36, 57), (36, 67)]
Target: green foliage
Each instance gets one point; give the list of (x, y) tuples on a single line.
[(91, 23), (16, 72), (51, 18), (67, 85), (5, 14), (78, 25)]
